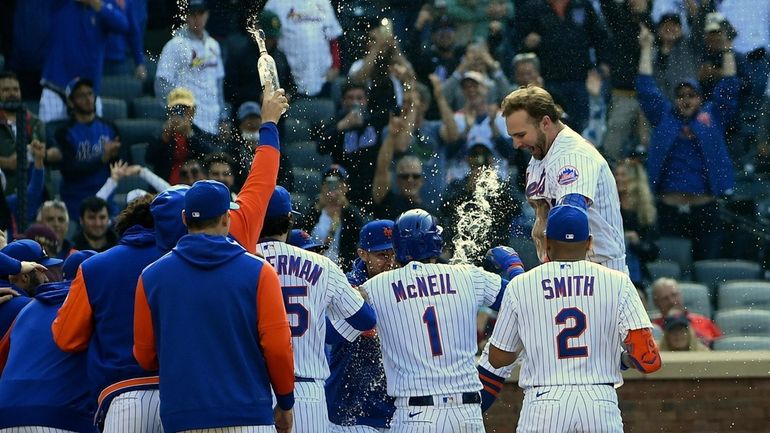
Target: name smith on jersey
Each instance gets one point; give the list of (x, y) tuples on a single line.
[(561, 287)]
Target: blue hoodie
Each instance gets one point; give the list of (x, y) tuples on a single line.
[(41, 385), (203, 301)]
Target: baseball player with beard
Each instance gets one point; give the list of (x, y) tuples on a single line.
[(572, 317), (314, 287), (565, 169), (427, 326)]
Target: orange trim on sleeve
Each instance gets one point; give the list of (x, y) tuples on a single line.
[(74, 324), (5, 348), (247, 221), (144, 336), (643, 350), (274, 331)]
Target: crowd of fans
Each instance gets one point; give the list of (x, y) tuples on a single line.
[(673, 93)]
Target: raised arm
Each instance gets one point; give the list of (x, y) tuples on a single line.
[(651, 99)]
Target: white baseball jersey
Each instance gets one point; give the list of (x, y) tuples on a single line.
[(134, 412), (573, 166), (195, 64), (426, 318), (307, 26), (571, 318), (313, 287)]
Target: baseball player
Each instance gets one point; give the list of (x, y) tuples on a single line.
[(427, 326), (572, 317), (565, 169), (42, 389), (313, 288), (356, 395)]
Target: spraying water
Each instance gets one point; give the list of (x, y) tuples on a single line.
[(475, 219)]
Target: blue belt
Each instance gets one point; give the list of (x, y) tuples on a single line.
[(303, 379)]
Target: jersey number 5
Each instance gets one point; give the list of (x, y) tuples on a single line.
[(296, 309), (562, 340)]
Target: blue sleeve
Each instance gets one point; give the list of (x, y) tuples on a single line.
[(268, 135), (499, 299), (364, 319), (575, 199), (332, 336), (492, 384), (113, 18), (726, 96), (134, 35), (35, 192), (651, 99), (9, 265)]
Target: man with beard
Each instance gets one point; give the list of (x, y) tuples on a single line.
[(565, 169), (85, 147)]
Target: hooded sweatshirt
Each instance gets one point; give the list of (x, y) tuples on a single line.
[(40, 385), (209, 306)]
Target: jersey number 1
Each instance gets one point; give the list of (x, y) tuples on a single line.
[(562, 340), (296, 308), (430, 319)]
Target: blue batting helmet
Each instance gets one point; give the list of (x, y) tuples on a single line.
[(416, 236)]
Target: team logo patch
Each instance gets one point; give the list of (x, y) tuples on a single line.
[(567, 175), (388, 232)]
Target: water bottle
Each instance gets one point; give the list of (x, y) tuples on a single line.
[(268, 74)]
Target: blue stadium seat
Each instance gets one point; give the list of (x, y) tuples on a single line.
[(138, 152), (308, 181), (744, 322), (296, 130), (114, 109), (312, 109), (303, 154), (696, 297), (148, 107), (678, 250), (124, 87), (715, 272), (742, 343), (744, 294), (664, 268), (130, 183), (134, 131)]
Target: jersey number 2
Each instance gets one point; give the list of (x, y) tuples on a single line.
[(430, 319), (296, 308), (562, 340)]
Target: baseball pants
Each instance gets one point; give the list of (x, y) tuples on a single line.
[(238, 429), (134, 412), (310, 412), (454, 417), (356, 429), (570, 409), (34, 429)]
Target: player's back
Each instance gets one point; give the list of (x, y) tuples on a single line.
[(426, 319), (311, 285), (568, 316)]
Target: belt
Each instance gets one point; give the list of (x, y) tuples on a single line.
[(576, 384), (427, 400), (303, 379)]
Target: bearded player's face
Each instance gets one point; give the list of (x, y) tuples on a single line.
[(526, 134)]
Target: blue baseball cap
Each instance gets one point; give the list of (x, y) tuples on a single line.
[(280, 203), (302, 239), (248, 108), (27, 250), (567, 224), (207, 199), (377, 236), (76, 82), (336, 170), (70, 268), (690, 82)]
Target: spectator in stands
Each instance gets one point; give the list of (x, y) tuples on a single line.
[(474, 19), (503, 206), (675, 56), (53, 214), (84, 147), (241, 77), (688, 163), (667, 298), (639, 218), (10, 92), (192, 59), (625, 116), (678, 335), (433, 48), (180, 140), (477, 59), (124, 54), (353, 139), (95, 231), (333, 219), (245, 142), (526, 70), (35, 185), (309, 38), (558, 30), (79, 31), (27, 40), (220, 167), (190, 172)]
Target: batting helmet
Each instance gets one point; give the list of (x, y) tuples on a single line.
[(416, 236)]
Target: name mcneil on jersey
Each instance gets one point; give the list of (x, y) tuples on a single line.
[(432, 285), (561, 287), (296, 266)]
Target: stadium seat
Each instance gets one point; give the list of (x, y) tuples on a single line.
[(131, 182), (301, 202), (664, 268), (121, 87), (308, 181), (148, 86), (303, 154), (678, 250), (527, 251), (696, 298), (744, 294), (744, 322), (114, 109), (714, 272), (296, 130), (742, 343), (312, 110), (134, 131), (148, 107), (138, 152)]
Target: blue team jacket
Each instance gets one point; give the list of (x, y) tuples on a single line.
[(41, 385)]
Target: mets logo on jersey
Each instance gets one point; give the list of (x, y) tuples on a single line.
[(536, 188), (567, 175)]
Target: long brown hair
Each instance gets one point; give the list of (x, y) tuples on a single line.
[(638, 194)]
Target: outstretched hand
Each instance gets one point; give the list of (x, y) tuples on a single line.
[(505, 259)]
